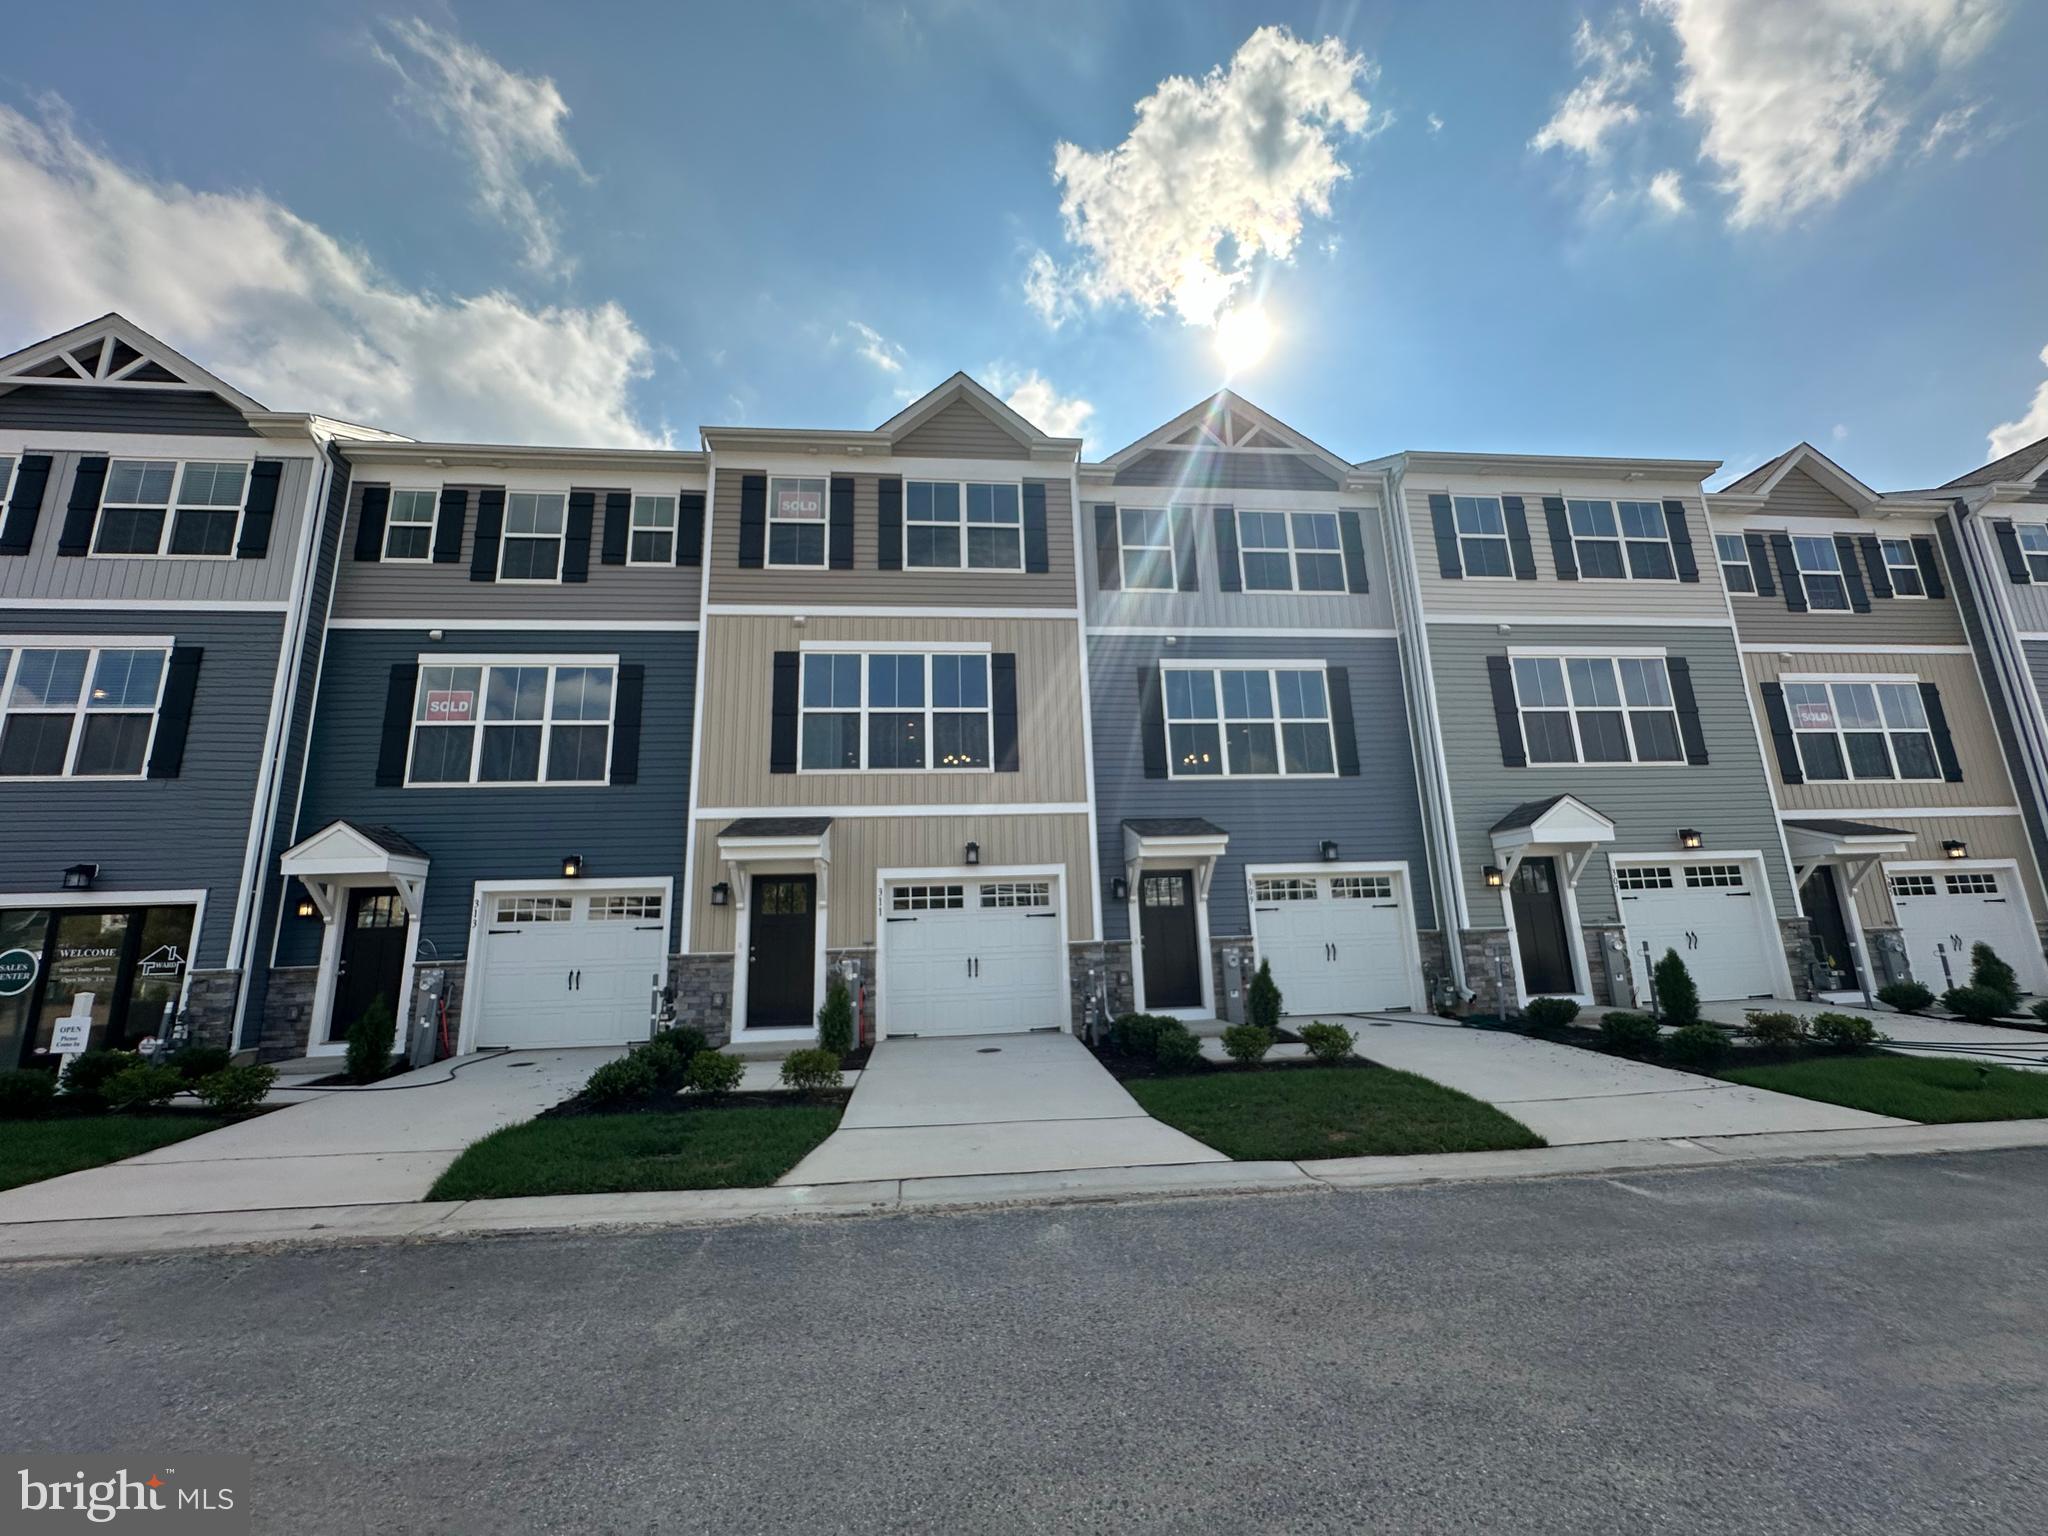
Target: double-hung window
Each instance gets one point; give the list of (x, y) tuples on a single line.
[(796, 521), (1858, 730), (1820, 571), (409, 525), (1736, 572), (1146, 535), (653, 534), (1290, 551), (2034, 548), (512, 722), (531, 549), (1626, 539), (82, 712), (1902, 566), (1248, 722), (894, 711), (1482, 536), (1597, 709), (6, 480), (159, 506), (933, 537)]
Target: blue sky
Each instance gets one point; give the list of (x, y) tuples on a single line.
[(1691, 227)]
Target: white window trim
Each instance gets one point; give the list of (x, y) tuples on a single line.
[(1725, 562), (1840, 573), (1223, 722), (963, 525), (1621, 539), (561, 542), (16, 646), (546, 722), (1892, 567), (2020, 532), (1507, 546), (1833, 680), (1294, 552), (170, 510), (1123, 552), (862, 650), (674, 529), (823, 524), (1566, 653), (13, 462), (384, 555)]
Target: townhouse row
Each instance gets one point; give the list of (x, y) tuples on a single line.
[(535, 742)]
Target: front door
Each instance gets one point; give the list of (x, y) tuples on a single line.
[(1166, 927), (1821, 900), (1539, 929), (782, 931), (372, 957)]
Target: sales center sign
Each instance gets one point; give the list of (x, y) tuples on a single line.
[(17, 971), (451, 706)]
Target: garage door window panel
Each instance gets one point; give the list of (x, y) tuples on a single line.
[(1912, 885)]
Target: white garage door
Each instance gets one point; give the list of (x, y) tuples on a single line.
[(1711, 914), (973, 957), (1337, 943), (1944, 914), (569, 967)]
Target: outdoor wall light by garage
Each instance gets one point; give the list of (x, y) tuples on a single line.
[(1494, 879), (1952, 849), (79, 877), (974, 853), (572, 865), (721, 895), (1329, 851), (1119, 888), (306, 906), (1688, 837)]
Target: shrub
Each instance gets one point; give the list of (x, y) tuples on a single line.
[(25, 1095), (1247, 1043), (1994, 975), (1776, 1031), (1980, 1005), (1262, 1002), (141, 1087), (1632, 1034), (811, 1071), (666, 1063), (684, 1041), (197, 1061), (622, 1081), (1327, 1043), (1175, 1047), (835, 1020), (1550, 1012), (716, 1072), (1134, 1033), (235, 1090), (370, 1040), (1906, 996), (1844, 1031), (2040, 1010), (1677, 998), (90, 1070), (1697, 1045)]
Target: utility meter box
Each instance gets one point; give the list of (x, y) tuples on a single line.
[(430, 987), (1236, 977)]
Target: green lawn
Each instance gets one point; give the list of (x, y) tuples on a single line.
[(1327, 1112), (42, 1149), (1934, 1089), (731, 1148)]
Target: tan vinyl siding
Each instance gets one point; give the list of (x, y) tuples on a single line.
[(2029, 599), (864, 585), (861, 845), (960, 431), (738, 667), (1233, 471), (1987, 837), (1763, 620), (1800, 495)]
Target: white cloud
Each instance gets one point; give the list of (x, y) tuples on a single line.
[(285, 311), (1954, 131), (1436, 124), (1032, 396), (510, 125), (876, 348), (1667, 191), (1617, 69), (2012, 436), (1840, 433), (1214, 174)]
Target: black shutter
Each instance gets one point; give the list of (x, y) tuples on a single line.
[(1688, 707), (261, 509), (174, 715), (889, 524), (1944, 743), (1507, 718), (1109, 570), (2008, 546), (86, 485), (1759, 565), (626, 697), (1681, 541), (1037, 554), (1852, 573), (839, 524), (1352, 536), (753, 520), (1341, 724), (1152, 722), (690, 528), (1562, 555), (1520, 551), (490, 528), (1229, 573), (1187, 575), (576, 536), (783, 709), (31, 480), (1873, 557), (1447, 563), (1782, 738), (450, 518), (1930, 567), (399, 691), (370, 522), (1002, 695), (1788, 572), (618, 528)]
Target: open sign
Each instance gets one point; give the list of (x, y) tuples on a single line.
[(451, 706), (794, 501)]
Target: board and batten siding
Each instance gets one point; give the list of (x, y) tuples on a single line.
[(498, 832), (959, 431), (90, 408), (1728, 798), (739, 664), (1375, 816), (156, 834), (864, 585), (1987, 837), (862, 845)]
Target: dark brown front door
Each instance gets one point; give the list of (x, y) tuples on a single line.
[(1539, 929), (782, 930), (1821, 900), (372, 957), (1166, 927)]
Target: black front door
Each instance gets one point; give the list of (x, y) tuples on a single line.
[(1539, 929), (372, 957), (1166, 927), (1821, 900), (781, 932)]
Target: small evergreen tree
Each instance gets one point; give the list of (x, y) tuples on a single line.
[(1994, 975), (1678, 999), (370, 1040), (1263, 1002), (835, 1020)]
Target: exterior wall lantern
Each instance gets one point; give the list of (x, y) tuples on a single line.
[(721, 895), (974, 853), (1329, 850), (1493, 877), (1119, 888), (79, 877), (572, 866), (1688, 837), (306, 906), (1952, 849)]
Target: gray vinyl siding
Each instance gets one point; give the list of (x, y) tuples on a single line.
[(472, 833), (1728, 798), (1225, 471), (1375, 816), (92, 408), (157, 834), (2029, 599), (144, 579), (960, 431)]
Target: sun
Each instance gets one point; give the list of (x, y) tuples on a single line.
[(1243, 336)]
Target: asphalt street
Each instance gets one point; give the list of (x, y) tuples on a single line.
[(1852, 1347)]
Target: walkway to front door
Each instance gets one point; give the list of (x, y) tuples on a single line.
[(1037, 1103)]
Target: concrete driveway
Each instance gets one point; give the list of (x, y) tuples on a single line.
[(1991, 1044), (354, 1146), (1036, 1103)]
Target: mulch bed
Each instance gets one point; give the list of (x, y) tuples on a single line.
[(1590, 1039), (1126, 1068), (689, 1103)]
